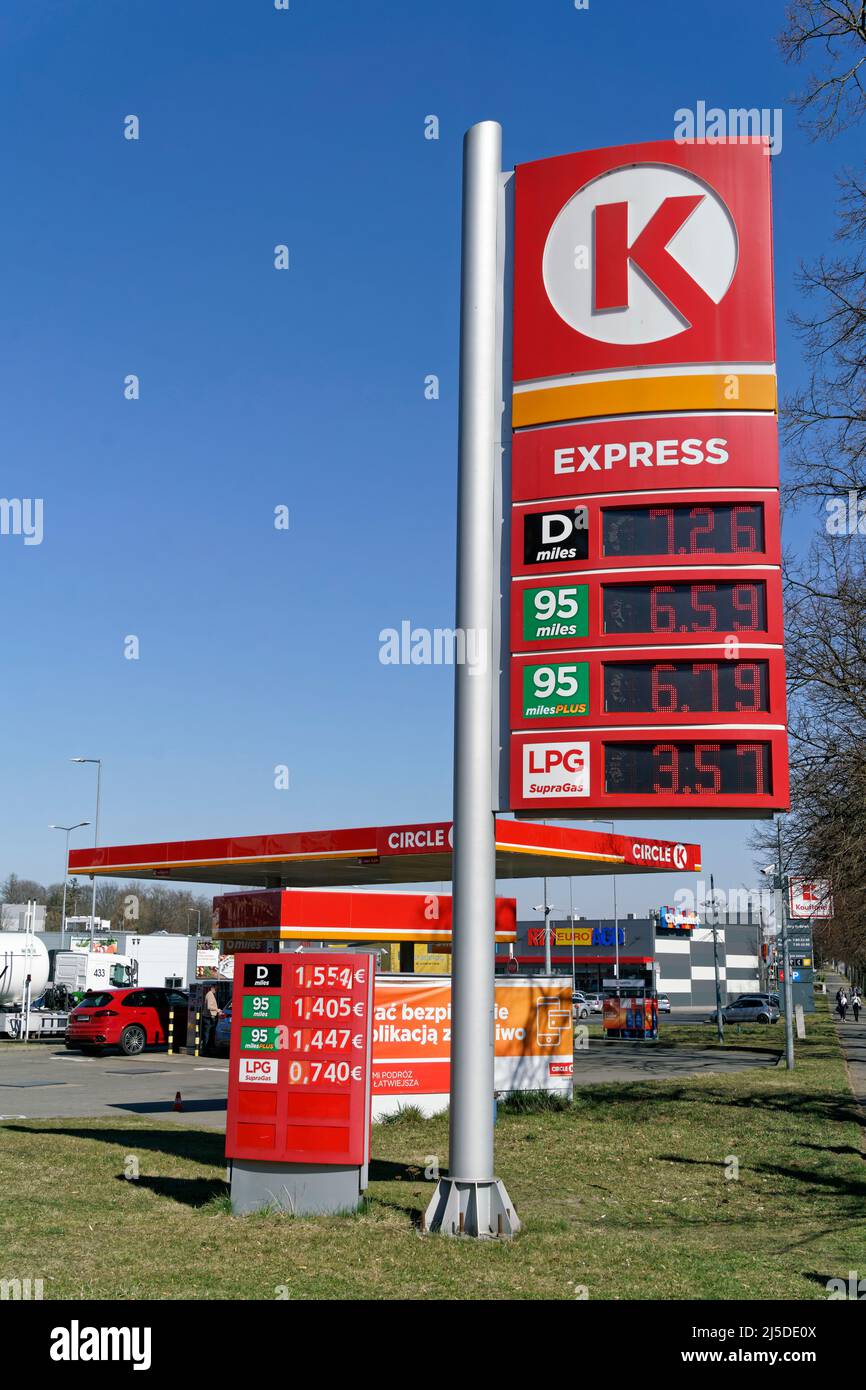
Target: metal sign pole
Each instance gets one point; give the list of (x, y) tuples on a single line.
[(548, 960), (720, 1022), (471, 1201)]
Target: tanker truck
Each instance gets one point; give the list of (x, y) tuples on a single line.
[(23, 977)]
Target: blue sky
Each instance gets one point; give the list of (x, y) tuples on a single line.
[(304, 388)]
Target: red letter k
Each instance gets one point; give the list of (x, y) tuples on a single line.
[(649, 253)]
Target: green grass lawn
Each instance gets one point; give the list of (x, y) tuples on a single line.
[(757, 1037), (624, 1193)]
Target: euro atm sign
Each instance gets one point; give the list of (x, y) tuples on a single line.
[(644, 669), (299, 1062)]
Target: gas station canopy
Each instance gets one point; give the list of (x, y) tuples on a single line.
[(388, 854)]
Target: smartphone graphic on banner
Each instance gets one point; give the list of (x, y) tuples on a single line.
[(551, 1020)]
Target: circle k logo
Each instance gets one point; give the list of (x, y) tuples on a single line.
[(640, 254), (660, 852)]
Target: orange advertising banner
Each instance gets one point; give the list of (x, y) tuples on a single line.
[(533, 1040)]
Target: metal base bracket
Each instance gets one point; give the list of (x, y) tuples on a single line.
[(480, 1209), (301, 1189)]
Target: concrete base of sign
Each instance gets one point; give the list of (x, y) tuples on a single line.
[(481, 1209), (301, 1189)]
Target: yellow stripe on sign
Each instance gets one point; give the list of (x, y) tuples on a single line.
[(639, 395)]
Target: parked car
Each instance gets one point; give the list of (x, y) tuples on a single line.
[(596, 1003), (749, 1008), (579, 1004), (131, 1019), (223, 1030), (664, 1004)]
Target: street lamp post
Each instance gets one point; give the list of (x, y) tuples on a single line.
[(545, 909), (98, 762), (571, 915), (615, 913), (720, 1022), (782, 921), (68, 829), (781, 912)]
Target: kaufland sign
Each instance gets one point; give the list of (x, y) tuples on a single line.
[(645, 484), (810, 898)]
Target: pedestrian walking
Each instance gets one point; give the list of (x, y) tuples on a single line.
[(841, 1004), (856, 1004)]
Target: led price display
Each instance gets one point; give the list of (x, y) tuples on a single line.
[(708, 606), (717, 528), (300, 1072), (315, 1007), (324, 1040), (316, 976), (685, 687), (687, 768)]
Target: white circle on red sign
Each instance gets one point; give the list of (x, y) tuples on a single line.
[(680, 856), (640, 254)]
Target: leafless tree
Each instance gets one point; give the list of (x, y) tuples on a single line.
[(824, 431), (835, 96)]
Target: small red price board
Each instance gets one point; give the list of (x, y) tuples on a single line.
[(299, 1066)]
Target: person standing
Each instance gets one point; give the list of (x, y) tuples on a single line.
[(211, 1014)]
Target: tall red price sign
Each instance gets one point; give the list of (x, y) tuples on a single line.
[(646, 640)]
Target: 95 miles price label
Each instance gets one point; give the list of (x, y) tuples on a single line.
[(555, 611), (260, 1006)]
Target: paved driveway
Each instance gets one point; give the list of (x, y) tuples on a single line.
[(44, 1081)]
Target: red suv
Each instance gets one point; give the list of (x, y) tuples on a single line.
[(126, 1018)]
